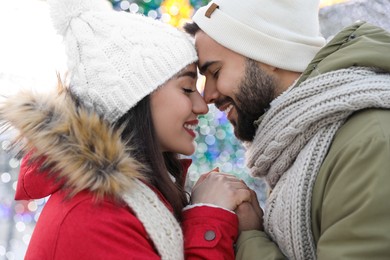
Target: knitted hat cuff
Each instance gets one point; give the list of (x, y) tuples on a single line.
[(257, 45)]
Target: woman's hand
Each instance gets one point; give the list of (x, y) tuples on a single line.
[(220, 189)]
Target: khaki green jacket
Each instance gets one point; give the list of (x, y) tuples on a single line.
[(351, 197)]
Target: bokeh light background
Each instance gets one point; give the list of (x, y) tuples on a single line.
[(31, 54)]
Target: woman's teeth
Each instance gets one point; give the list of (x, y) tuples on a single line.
[(190, 127)]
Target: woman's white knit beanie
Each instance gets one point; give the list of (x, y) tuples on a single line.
[(281, 33), (116, 58)]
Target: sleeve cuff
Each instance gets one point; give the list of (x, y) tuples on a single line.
[(206, 205)]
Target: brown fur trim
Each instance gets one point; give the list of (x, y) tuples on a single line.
[(84, 149)]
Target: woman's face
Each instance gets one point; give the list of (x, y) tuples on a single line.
[(175, 108)]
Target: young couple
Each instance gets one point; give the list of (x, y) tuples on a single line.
[(315, 119)]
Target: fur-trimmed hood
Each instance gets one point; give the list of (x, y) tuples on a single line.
[(81, 150)]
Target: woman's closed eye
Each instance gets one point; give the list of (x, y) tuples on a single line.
[(188, 90)]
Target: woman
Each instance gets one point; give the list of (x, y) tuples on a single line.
[(106, 148)]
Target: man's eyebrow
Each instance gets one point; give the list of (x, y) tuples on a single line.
[(205, 66)]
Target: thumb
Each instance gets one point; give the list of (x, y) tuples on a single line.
[(255, 203)]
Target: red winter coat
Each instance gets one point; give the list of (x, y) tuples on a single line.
[(86, 156), (80, 228)]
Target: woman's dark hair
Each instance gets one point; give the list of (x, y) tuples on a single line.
[(139, 134), (191, 28)]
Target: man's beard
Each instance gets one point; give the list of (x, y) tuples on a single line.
[(255, 93)]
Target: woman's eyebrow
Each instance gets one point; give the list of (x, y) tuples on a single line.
[(191, 74)]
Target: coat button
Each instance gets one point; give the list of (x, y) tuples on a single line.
[(209, 235)]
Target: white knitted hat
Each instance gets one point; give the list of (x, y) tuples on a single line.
[(281, 33), (116, 58)]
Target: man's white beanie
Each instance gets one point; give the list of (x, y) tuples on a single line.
[(281, 33), (116, 58)]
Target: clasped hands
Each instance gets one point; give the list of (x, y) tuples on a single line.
[(227, 191)]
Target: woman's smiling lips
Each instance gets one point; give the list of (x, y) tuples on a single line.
[(190, 127)]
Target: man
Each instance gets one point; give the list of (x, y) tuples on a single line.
[(316, 121)]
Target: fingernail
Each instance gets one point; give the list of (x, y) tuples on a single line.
[(216, 169)]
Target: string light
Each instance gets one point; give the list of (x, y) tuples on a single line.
[(179, 11)]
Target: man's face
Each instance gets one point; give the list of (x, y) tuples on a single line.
[(237, 85)]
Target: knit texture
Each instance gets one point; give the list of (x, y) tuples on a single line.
[(292, 141), (117, 58), (159, 222), (282, 33)]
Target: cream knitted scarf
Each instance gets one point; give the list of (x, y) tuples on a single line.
[(292, 141), (159, 222)]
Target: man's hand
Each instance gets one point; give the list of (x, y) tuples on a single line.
[(250, 214)]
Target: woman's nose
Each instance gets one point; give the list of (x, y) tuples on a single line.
[(199, 106)]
